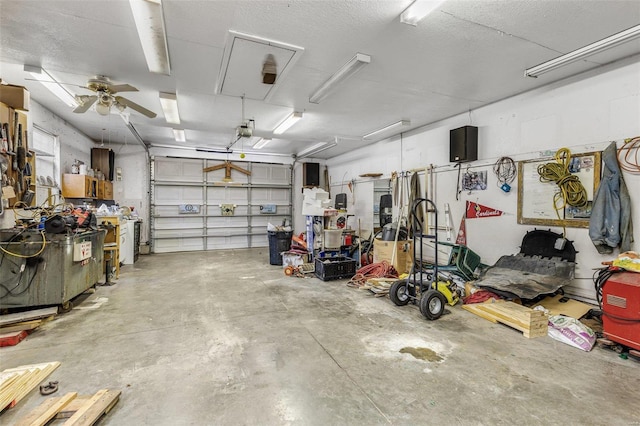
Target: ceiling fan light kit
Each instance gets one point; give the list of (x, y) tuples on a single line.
[(418, 10), (169, 103), (579, 54), (347, 70), (387, 129), (292, 119), (47, 80), (149, 20)]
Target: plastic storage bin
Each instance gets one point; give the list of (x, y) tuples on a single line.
[(279, 241), (335, 268)]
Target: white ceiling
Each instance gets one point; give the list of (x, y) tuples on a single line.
[(464, 55)]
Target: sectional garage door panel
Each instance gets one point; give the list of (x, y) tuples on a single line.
[(197, 210)]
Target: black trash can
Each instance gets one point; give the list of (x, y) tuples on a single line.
[(279, 241)]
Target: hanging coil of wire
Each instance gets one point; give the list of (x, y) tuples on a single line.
[(375, 270), (505, 170), (572, 193), (629, 155)]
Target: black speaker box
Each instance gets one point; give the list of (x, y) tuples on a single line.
[(341, 201), (463, 144), (310, 174)]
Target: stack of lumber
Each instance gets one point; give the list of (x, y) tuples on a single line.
[(531, 322), (79, 410), (16, 383)]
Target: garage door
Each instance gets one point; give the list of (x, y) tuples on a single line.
[(196, 210)]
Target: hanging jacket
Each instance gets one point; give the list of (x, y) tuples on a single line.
[(610, 224)]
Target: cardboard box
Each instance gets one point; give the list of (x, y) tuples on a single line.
[(16, 97), (383, 250)]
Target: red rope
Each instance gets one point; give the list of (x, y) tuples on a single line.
[(375, 270)]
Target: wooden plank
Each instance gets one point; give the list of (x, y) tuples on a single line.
[(532, 323), (47, 410), (474, 310), (73, 406), (21, 326), (99, 404), (29, 376), (27, 315)]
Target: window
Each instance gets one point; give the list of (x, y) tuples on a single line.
[(47, 149)]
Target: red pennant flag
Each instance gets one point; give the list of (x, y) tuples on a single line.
[(475, 210), (462, 233)]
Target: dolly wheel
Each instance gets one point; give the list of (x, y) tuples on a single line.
[(432, 304), (398, 293)]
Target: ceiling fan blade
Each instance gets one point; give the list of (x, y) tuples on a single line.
[(85, 103), (115, 88), (134, 106)]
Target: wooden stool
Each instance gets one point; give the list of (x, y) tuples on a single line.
[(113, 252)]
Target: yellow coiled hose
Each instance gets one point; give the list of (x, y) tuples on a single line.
[(572, 193)]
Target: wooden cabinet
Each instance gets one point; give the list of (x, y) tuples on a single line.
[(79, 186), (105, 190)]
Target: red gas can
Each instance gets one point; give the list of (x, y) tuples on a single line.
[(621, 309)]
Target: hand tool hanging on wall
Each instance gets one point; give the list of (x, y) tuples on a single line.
[(15, 141), (21, 154), (5, 137)]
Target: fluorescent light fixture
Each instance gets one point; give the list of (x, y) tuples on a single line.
[(151, 32), (261, 143), (418, 10), (287, 123), (388, 128), (347, 70), (314, 149), (169, 103), (179, 135), (583, 52), (52, 84)]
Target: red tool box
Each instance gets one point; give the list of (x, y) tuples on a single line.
[(621, 309)]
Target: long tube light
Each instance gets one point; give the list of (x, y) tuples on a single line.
[(52, 84), (287, 123), (169, 103), (347, 70), (388, 128), (261, 143), (149, 20), (179, 135), (583, 52), (418, 10), (315, 149)]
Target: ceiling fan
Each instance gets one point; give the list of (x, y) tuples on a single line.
[(105, 98)]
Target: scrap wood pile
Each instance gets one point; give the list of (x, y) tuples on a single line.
[(376, 278), (15, 327)]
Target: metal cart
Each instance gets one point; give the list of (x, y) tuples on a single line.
[(423, 285)]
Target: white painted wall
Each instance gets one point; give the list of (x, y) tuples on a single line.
[(583, 113), (73, 144)]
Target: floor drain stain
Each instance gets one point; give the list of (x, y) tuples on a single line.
[(425, 354)]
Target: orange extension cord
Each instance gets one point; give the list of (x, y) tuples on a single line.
[(375, 270)]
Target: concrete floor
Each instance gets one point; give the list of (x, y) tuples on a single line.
[(223, 338)]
